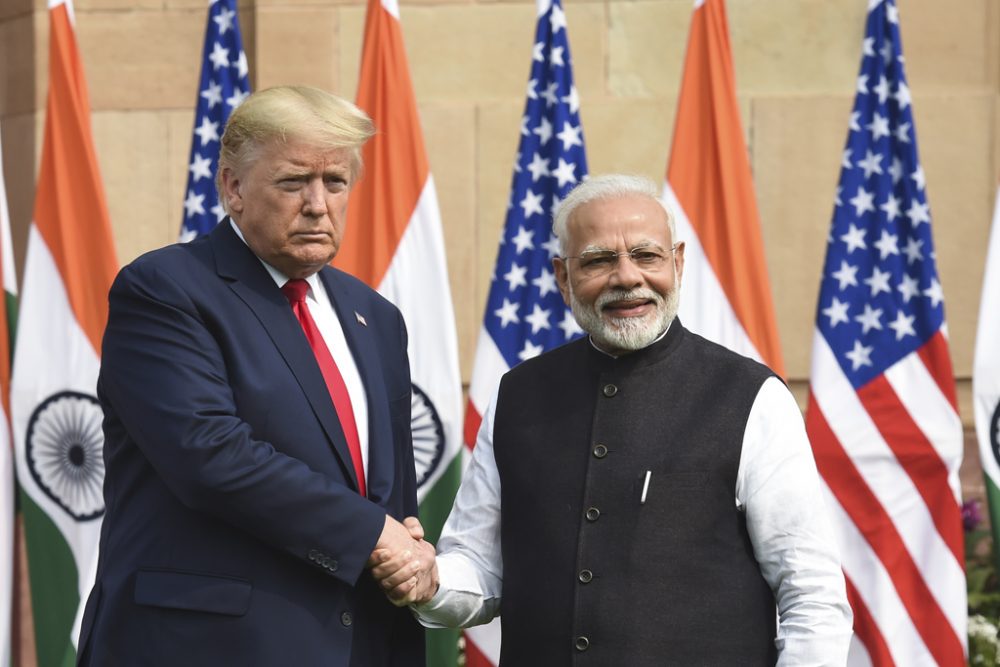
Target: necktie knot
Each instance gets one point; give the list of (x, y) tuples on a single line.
[(295, 290)]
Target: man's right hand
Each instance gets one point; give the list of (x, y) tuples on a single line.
[(404, 563)]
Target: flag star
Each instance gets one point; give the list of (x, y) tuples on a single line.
[(870, 319), (555, 205), (934, 293), (882, 89), (544, 131), (879, 126), (836, 197), (237, 98), (570, 136), (918, 213), (552, 246), (903, 325), (853, 123), (855, 238), (219, 212), (225, 20), (200, 167), (537, 52), (207, 131), (871, 164), (532, 95), (868, 46), (508, 313), (516, 276), (918, 177), (212, 94), (539, 167), (837, 312), (863, 201), (845, 160), (530, 351), (219, 56), (517, 166), (863, 84), (860, 355), (888, 244), (539, 319), (886, 52), (524, 133), (556, 57), (187, 234), (194, 204), (523, 238), (558, 19), (908, 288), (573, 100), (912, 250), (891, 207), (902, 133), (546, 282), (550, 97), (878, 281), (903, 95), (242, 67), (569, 325), (846, 275), (531, 204), (892, 13), (565, 172), (896, 170)]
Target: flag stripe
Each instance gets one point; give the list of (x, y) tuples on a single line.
[(856, 497), (937, 359), (709, 172), (865, 627)]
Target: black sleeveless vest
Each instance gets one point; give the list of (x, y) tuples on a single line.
[(593, 574)]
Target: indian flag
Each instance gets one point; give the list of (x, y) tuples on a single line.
[(986, 375), (56, 418), (7, 322), (395, 244), (726, 295)]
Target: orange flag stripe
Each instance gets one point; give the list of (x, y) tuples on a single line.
[(396, 166), (709, 172), (71, 213)]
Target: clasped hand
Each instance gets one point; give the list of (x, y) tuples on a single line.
[(403, 562)]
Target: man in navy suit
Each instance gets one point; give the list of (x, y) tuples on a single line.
[(257, 425)]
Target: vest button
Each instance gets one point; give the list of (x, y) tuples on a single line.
[(347, 619), (610, 390), (586, 576), (593, 514), (600, 451), (581, 643)]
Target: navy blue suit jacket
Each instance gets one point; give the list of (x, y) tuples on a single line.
[(234, 532)]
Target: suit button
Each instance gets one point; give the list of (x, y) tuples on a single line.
[(610, 390), (325, 561), (313, 554), (593, 514), (600, 451), (586, 576), (347, 619), (581, 643), (332, 566)]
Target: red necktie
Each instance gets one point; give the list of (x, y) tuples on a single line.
[(295, 291)]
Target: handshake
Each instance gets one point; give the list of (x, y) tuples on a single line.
[(403, 562)]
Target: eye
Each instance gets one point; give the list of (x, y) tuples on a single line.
[(598, 260), (646, 257)]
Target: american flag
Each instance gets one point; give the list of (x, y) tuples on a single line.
[(224, 85), (525, 314), (882, 413)]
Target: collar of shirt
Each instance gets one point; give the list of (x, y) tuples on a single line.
[(277, 276)]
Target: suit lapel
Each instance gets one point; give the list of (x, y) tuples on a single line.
[(361, 340), (251, 282)]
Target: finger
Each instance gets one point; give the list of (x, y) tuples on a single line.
[(397, 578), (402, 594), (388, 567), (413, 525)]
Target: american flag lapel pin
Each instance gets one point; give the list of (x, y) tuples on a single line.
[(361, 319)]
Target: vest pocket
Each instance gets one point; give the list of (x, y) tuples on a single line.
[(170, 589)]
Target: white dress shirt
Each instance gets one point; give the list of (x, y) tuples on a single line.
[(778, 488), (325, 317)]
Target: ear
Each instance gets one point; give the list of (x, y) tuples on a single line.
[(562, 277), (679, 261), (231, 190)]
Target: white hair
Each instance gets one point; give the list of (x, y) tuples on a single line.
[(606, 186)]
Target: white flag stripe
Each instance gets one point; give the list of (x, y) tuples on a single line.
[(391, 6), (487, 639), (886, 479), (932, 413), (872, 583), (489, 367), (59, 358), (986, 364), (414, 282), (710, 314)]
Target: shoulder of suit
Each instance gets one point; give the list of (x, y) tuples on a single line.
[(355, 288), (709, 352)]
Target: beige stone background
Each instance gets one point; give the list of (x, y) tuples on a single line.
[(796, 63)]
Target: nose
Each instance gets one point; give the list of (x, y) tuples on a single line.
[(626, 274), (314, 199)]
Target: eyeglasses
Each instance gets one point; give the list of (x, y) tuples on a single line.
[(594, 263)]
